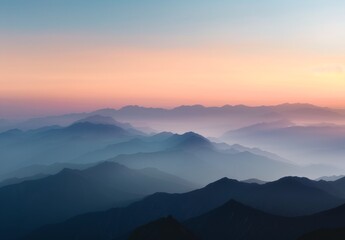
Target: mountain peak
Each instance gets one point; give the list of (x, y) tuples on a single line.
[(164, 228), (291, 180), (223, 182), (98, 119), (190, 140), (227, 214), (190, 107), (137, 107), (105, 120)]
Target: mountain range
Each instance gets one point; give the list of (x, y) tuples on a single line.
[(189, 155), (197, 159), (318, 143), (32, 203), (210, 120), (150, 174), (290, 198), (51, 145), (232, 220)]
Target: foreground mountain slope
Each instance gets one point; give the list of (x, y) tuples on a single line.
[(303, 199), (325, 234), (30, 204), (165, 228), (235, 221)]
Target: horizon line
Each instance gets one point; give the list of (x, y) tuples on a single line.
[(172, 108)]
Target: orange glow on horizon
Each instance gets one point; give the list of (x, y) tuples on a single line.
[(112, 76)]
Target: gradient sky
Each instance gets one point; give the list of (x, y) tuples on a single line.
[(76, 55)]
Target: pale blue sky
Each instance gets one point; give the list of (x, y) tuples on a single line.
[(170, 23)]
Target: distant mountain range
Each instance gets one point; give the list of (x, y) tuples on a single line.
[(210, 120), (318, 143), (32, 203), (207, 211)]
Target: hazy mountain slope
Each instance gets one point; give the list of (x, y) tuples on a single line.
[(106, 120), (322, 143), (85, 142), (197, 159), (330, 178), (30, 204), (57, 145), (132, 146), (117, 222), (50, 169), (11, 181)]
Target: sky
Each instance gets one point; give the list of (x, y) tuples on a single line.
[(61, 56)]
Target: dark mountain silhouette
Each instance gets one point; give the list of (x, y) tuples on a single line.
[(287, 196), (165, 228), (30, 204), (234, 220), (325, 234)]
